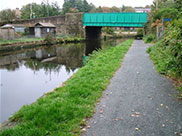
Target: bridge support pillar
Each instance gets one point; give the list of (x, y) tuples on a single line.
[(93, 33), (93, 39)]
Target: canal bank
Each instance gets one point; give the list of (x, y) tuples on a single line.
[(42, 69), (62, 112), (14, 45)]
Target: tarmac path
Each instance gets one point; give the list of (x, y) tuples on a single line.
[(138, 101)]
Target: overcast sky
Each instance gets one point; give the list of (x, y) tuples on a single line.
[(4, 4)]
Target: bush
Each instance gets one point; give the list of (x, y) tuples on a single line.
[(108, 30), (149, 38), (27, 32), (139, 34), (50, 39), (172, 40)]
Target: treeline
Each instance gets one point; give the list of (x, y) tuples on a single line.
[(44, 9), (167, 52)]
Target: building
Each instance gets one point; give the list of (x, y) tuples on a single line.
[(142, 10), (42, 29), (17, 13), (19, 28), (7, 32)]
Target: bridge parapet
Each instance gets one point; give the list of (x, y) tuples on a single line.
[(115, 19)]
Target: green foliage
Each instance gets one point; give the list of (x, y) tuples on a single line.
[(61, 112), (108, 30), (127, 9), (139, 33), (40, 10), (165, 13), (20, 40), (172, 39), (8, 15), (70, 6), (50, 39), (165, 62), (149, 38), (106, 9), (178, 6)]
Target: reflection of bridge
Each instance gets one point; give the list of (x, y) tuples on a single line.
[(95, 21)]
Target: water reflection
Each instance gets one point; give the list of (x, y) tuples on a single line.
[(47, 58), (27, 74)]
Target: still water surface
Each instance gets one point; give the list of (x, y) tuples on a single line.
[(26, 75)]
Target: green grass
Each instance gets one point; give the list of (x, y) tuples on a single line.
[(165, 63), (62, 112), (20, 40), (25, 39), (149, 38)]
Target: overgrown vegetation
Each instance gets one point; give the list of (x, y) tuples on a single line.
[(20, 40), (139, 34), (167, 52), (50, 39), (149, 38), (62, 112)]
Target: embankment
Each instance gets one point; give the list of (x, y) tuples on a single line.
[(64, 111)]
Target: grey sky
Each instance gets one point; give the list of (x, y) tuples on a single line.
[(4, 4)]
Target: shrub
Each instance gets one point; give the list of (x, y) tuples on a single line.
[(49, 39), (108, 30), (149, 38), (172, 40), (139, 34)]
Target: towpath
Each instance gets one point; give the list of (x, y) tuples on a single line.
[(138, 101)]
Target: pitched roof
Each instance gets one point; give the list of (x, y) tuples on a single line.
[(7, 26), (18, 25), (45, 24)]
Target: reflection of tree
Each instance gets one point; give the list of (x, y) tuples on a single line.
[(11, 67), (47, 67), (71, 55)]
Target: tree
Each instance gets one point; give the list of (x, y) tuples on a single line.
[(40, 10), (8, 15), (106, 9), (128, 9), (115, 9), (178, 4), (78, 5)]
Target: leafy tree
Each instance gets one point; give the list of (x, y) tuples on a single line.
[(178, 5), (8, 15), (165, 13), (115, 9), (99, 9), (40, 10), (106, 9), (77, 5), (123, 8), (129, 9)]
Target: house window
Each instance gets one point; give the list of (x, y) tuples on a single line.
[(48, 30)]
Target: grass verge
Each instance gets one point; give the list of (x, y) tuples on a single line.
[(20, 40), (165, 63), (62, 112)]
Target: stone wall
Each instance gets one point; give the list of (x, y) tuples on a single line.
[(58, 21), (71, 23), (7, 34), (74, 24)]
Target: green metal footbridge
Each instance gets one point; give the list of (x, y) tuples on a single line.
[(115, 19)]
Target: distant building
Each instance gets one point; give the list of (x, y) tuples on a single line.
[(42, 29), (7, 32), (17, 13), (20, 28), (142, 10)]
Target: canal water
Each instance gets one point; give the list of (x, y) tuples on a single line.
[(27, 74)]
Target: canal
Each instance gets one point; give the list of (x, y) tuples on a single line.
[(26, 75)]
